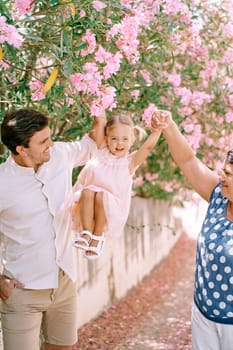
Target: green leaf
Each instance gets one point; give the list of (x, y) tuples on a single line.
[(4, 10), (80, 47)]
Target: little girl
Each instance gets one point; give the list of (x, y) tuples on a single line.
[(103, 187)]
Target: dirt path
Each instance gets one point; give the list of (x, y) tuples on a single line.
[(155, 315)]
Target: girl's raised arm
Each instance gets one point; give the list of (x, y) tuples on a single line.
[(142, 153), (97, 130)]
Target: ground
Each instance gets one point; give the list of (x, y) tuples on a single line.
[(155, 315)]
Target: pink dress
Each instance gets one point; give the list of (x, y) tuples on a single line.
[(108, 174)]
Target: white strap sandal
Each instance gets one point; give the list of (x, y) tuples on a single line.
[(83, 242), (96, 250)]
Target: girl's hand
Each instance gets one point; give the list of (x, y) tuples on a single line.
[(160, 119)]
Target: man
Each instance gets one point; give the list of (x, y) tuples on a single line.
[(37, 285)]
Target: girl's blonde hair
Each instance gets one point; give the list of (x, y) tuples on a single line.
[(124, 119)]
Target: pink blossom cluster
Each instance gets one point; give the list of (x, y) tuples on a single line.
[(8, 33), (127, 42), (111, 61), (176, 7), (148, 112), (21, 7), (173, 78), (194, 99), (139, 180), (146, 76), (195, 137), (36, 86), (161, 41), (99, 5), (90, 82), (89, 39), (169, 186), (130, 28)]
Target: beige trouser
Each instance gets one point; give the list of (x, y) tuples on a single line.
[(53, 311), (209, 335)]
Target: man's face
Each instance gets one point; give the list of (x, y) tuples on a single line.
[(38, 151)]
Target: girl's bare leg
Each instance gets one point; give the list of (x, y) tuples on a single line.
[(99, 216), (87, 211), (99, 219)]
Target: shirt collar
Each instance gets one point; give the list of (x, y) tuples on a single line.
[(20, 169)]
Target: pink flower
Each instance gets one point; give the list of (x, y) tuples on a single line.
[(228, 56), (9, 33), (22, 6), (102, 55), (112, 65), (35, 84), (128, 31), (82, 14), (188, 127), (229, 83), (99, 5), (209, 71), (107, 96), (229, 117), (70, 101), (77, 79), (174, 79), (37, 95), (96, 110), (185, 95), (147, 115), (146, 76), (195, 138), (88, 82), (199, 98), (185, 111), (138, 181), (105, 100), (88, 38), (135, 94), (151, 177), (4, 64), (172, 7), (228, 30)]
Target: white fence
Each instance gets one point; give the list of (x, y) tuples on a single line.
[(151, 231)]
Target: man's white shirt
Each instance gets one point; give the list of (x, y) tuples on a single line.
[(35, 216)]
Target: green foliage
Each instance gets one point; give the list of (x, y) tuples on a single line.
[(182, 42)]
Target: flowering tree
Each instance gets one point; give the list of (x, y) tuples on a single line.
[(76, 59)]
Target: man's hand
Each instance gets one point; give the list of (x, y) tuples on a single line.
[(7, 285)]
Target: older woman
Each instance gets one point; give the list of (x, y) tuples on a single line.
[(212, 314)]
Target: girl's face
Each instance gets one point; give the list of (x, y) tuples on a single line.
[(119, 139)]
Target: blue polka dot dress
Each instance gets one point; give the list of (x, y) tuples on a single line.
[(213, 293)]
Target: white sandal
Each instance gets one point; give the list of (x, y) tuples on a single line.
[(82, 242), (96, 250)]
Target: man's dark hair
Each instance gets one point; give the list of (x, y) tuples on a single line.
[(229, 157), (19, 126)]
